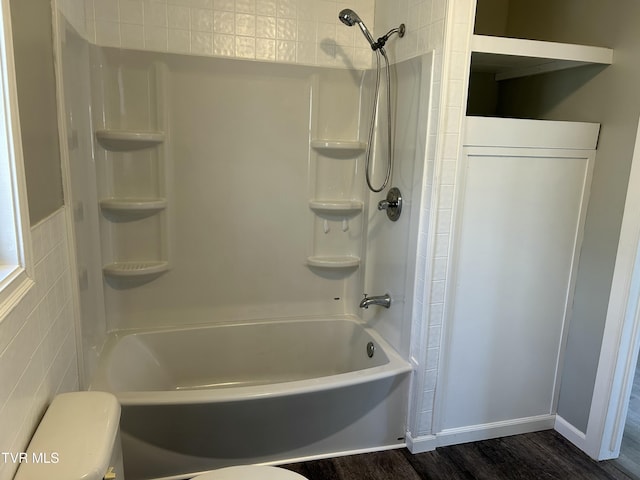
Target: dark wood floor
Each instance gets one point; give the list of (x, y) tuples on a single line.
[(541, 455)]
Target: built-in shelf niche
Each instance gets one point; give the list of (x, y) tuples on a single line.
[(132, 153), (503, 70), (334, 217), (336, 152)]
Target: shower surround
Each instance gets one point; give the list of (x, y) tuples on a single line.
[(224, 190)]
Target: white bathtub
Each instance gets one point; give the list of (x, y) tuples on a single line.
[(275, 391)]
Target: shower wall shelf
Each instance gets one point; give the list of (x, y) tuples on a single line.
[(121, 140), (513, 57), (336, 207), (133, 168), (337, 262), (335, 195), (338, 147), (135, 269), (134, 205)]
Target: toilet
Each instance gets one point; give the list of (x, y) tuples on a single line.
[(79, 439)]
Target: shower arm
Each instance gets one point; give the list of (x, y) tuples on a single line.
[(381, 42)]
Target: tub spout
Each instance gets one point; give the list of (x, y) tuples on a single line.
[(382, 300)]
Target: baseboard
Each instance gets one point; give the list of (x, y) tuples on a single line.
[(570, 432), (421, 444), (487, 431)]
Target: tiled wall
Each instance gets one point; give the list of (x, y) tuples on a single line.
[(452, 107), (37, 342), (291, 31), (424, 21), (445, 28)]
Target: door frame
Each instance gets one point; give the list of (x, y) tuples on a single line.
[(621, 339)]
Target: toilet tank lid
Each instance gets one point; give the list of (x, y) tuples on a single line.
[(75, 438)]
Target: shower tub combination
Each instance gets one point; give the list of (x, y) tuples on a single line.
[(276, 391)]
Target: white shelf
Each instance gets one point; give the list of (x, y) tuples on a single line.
[(122, 140), (337, 262), (338, 147), (513, 57), (134, 205), (135, 269), (346, 207)]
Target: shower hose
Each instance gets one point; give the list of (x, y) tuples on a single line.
[(374, 113)]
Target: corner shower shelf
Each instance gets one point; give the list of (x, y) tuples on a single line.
[(338, 147), (514, 57), (134, 205), (346, 261), (135, 269), (335, 207), (121, 140)]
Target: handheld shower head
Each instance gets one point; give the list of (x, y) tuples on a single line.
[(351, 18)]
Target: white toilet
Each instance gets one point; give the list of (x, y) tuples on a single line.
[(78, 439)]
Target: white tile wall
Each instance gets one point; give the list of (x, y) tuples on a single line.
[(426, 27), (294, 31), (450, 38), (37, 343), (424, 22), (291, 31)]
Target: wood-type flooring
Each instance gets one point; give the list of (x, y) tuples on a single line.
[(540, 455)]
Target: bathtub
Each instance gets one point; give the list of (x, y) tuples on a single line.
[(277, 391)]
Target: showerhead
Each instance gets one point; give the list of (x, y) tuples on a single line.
[(351, 18)]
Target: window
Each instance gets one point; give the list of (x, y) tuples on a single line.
[(14, 222)]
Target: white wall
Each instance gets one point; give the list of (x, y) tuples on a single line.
[(241, 176), (424, 21), (37, 342), (391, 247)]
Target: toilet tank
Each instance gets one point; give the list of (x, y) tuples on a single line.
[(77, 439)]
